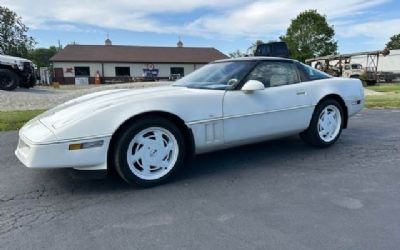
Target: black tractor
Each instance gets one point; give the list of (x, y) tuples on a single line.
[(15, 71)]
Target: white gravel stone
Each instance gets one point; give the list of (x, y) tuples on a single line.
[(41, 97)]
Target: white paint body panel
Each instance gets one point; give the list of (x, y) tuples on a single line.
[(218, 119)]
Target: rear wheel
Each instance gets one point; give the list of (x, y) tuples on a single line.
[(8, 80), (149, 152), (326, 124), (389, 80)]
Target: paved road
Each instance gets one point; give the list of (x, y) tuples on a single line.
[(274, 195)]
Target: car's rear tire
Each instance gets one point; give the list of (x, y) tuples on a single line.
[(326, 124), (8, 80), (149, 151)]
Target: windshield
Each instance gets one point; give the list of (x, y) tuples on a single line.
[(220, 75)]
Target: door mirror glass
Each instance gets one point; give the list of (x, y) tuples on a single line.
[(253, 85)]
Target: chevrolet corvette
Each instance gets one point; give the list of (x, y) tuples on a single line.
[(147, 135)]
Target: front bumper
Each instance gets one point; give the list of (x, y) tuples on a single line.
[(58, 154)]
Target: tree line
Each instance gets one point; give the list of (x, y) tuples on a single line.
[(14, 40), (309, 35)]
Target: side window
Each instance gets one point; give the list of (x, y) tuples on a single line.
[(82, 71), (311, 74), (274, 73)]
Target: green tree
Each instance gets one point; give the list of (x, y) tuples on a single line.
[(13, 38), (236, 53), (258, 42), (253, 47), (41, 56), (309, 35), (394, 42)]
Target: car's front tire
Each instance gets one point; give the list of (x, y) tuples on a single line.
[(149, 151), (326, 124)]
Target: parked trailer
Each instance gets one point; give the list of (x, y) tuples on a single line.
[(365, 65), (388, 67)]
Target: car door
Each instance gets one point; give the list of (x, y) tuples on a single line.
[(279, 109)]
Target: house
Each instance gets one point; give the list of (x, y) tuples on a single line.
[(80, 64)]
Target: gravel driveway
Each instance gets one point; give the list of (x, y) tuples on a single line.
[(42, 97)]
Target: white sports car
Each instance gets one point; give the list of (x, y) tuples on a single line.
[(146, 135)]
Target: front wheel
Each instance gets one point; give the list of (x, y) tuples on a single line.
[(149, 152), (326, 124), (8, 80)]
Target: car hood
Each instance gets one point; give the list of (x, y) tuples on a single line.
[(87, 105)]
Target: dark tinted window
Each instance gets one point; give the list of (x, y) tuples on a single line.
[(311, 74), (275, 49), (263, 50), (82, 71), (273, 74), (279, 48), (177, 70), (122, 71)]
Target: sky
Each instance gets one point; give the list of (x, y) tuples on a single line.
[(227, 25)]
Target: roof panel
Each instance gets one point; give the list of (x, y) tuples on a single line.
[(142, 54)]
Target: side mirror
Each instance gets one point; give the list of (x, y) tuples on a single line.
[(253, 85)]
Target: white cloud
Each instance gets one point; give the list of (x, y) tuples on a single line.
[(263, 17), (229, 18), (122, 14), (370, 35), (371, 29)]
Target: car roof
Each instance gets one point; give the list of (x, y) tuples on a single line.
[(256, 58)]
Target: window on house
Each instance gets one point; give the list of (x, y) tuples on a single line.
[(122, 71), (178, 70), (82, 71)]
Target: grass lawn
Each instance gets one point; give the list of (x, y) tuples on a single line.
[(14, 120), (390, 98), (394, 87)]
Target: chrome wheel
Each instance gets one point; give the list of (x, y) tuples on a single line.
[(329, 123), (152, 153)]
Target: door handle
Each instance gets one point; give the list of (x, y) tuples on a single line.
[(301, 93)]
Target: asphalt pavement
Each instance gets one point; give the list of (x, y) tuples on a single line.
[(280, 194)]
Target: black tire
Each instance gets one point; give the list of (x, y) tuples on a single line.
[(8, 80), (121, 145), (29, 83), (388, 80), (25, 85), (311, 135)]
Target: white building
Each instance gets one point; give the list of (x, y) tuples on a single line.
[(79, 64)]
